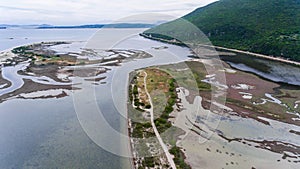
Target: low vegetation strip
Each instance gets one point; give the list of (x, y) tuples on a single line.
[(162, 90)]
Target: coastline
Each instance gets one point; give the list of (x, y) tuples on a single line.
[(128, 125), (136, 54), (278, 59)]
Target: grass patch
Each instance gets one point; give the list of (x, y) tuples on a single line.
[(179, 158)]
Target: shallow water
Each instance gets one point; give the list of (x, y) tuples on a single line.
[(10, 73), (45, 133), (10, 38), (205, 148), (272, 70)]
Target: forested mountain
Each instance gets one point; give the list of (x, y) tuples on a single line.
[(270, 27)]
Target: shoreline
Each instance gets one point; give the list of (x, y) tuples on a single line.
[(38, 42), (130, 146), (278, 59)]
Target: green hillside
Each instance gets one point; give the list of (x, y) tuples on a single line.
[(270, 27)]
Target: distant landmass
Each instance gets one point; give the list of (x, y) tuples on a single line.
[(46, 26), (69, 27), (130, 25), (260, 26), (32, 26)]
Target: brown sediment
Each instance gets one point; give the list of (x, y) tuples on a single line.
[(49, 70), (193, 130), (42, 55), (248, 110), (274, 146), (61, 95), (30, 86), (206, 99), (4, 81), (279, 147), (95, 79), (230, 139), (247, 113), (192, 94), (286, 95), (245, 107), (86, 72), (260, 86), (195, 125), (295, 132), (113, 64)]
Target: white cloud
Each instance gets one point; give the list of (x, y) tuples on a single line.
[(65, 12)]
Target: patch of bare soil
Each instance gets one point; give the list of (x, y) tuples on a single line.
[(30, 86), (4, 81), (245, 107)]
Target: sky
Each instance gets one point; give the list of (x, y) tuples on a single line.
[(74, 12)]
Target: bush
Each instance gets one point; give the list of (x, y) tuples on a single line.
[(168, 109), (179, 158), (135, 90), (147, 125), (149, 162)]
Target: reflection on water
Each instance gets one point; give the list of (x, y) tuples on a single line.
[(10, 38), (11, 74), (45, 133), (46, 136), (235, 140), (272, 70)]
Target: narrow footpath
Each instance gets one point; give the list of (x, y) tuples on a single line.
[(164, 147)]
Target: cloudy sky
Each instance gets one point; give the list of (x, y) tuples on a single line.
[(68, 12)]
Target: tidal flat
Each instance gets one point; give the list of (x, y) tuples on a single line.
[(256, 128), (260, 117)]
